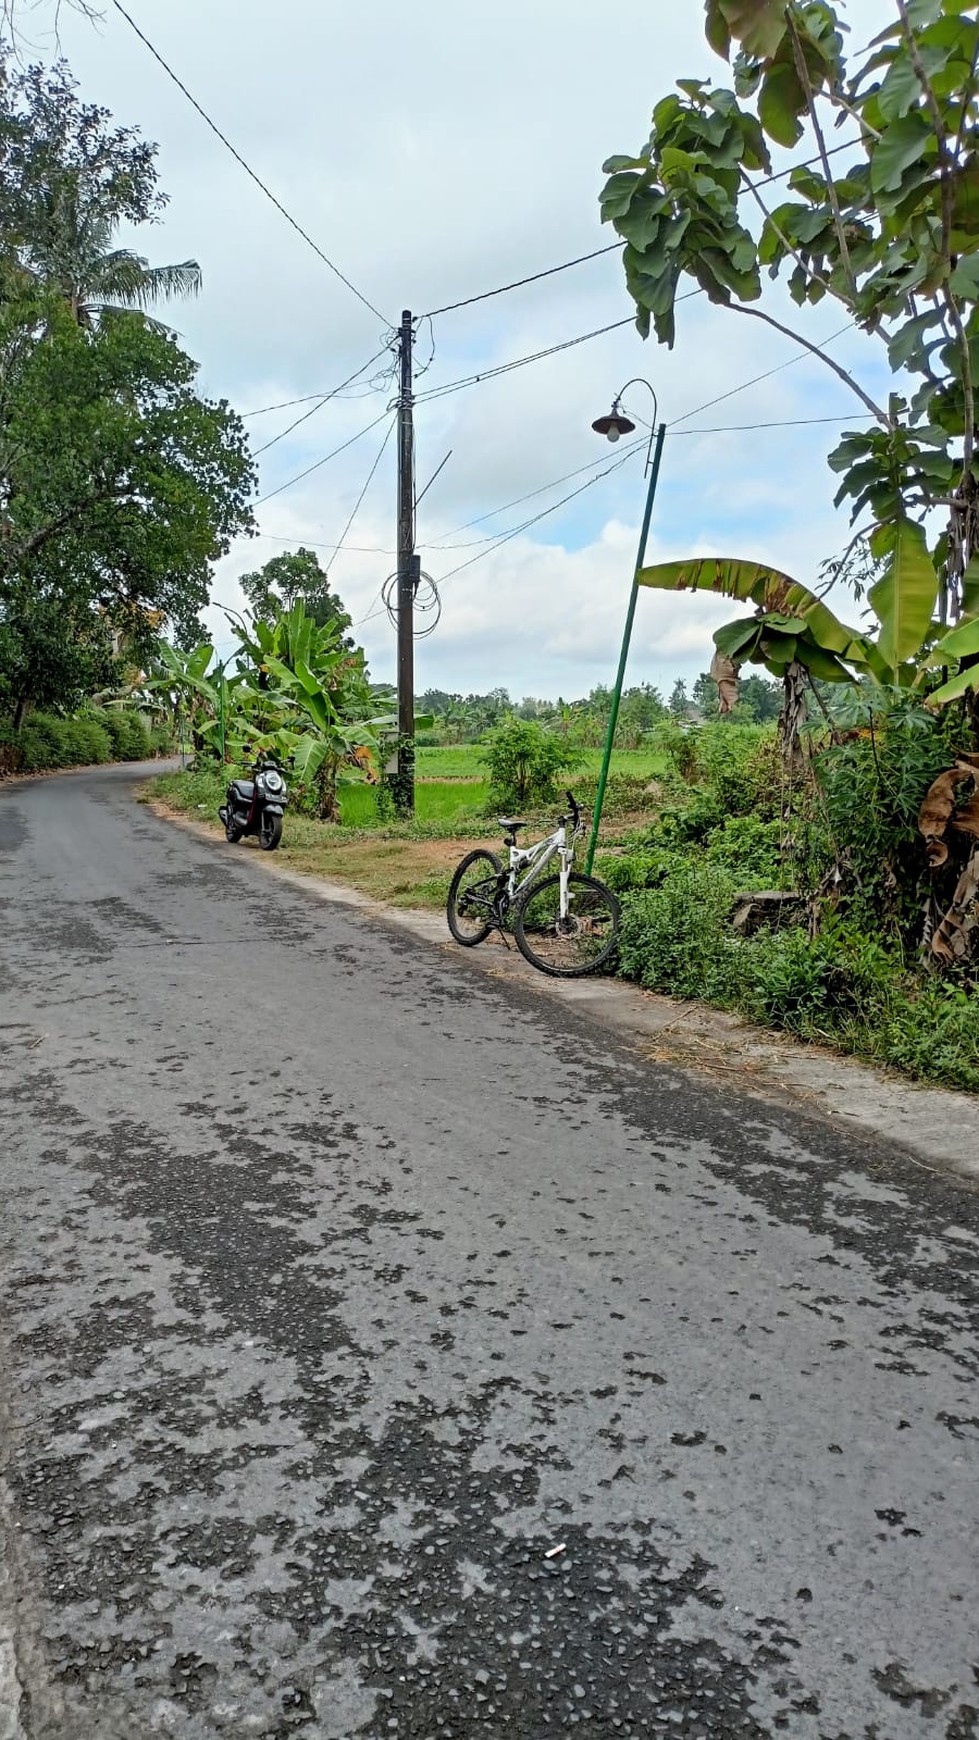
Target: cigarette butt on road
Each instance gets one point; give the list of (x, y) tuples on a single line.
[(552, 1552)]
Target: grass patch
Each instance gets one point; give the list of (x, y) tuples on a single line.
[(404, 863)]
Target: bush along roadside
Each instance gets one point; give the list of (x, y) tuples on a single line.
[(844, 968), (47, 742)]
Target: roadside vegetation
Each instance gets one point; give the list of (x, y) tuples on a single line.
[(96, 734), (120, 485)]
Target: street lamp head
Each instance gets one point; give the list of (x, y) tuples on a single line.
[(614, 425), (617, 423)]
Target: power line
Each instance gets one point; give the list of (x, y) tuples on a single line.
[(324, 461), (308, 544), (518, 283), (246, 166), (787, 364), (793, 423), (534, 356), (321, 402), (370, 477), (612, 247), (531, 494), (515, 531), (283, 405), (306, 398), (518, 363)]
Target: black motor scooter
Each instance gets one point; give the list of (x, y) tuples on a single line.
[(255, 806)]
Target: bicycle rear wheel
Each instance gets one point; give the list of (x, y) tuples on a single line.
[(472, 893), (568, 948)]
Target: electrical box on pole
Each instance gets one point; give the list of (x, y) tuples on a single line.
[(404, 788)]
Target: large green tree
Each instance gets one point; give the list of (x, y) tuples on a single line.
[(119, 487), (294, 577), (68, 178)]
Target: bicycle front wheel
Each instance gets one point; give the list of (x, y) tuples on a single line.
[(472, 893), (583, 941)]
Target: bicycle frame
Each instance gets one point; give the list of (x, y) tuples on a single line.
[(535, 859)]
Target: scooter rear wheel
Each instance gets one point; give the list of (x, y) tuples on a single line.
[(231, 831)]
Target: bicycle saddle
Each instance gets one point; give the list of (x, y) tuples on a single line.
[(510, 823)]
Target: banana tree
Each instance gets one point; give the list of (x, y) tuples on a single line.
[(798, 638), (335, 716), (205, 696), (794, 630)]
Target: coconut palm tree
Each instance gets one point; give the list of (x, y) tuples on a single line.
[(70, 250)]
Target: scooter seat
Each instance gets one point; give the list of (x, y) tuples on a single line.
[(243, 788)]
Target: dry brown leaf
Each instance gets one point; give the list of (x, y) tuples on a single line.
[(724, 673), (952, 940), (967, 818), (940, 800)]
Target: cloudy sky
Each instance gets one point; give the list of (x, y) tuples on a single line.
[(433, 153)]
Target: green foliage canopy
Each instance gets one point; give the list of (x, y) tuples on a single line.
[(887, 225), (119, 487), (288, 578)]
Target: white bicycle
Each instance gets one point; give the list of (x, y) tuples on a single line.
[(565, 924)]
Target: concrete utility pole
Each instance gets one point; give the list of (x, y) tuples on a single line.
[(407, 577)]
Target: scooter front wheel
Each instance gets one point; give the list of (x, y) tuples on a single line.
[(270, 832)]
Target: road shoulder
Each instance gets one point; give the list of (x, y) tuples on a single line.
[(937, 1127)]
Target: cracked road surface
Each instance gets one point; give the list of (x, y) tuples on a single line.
[(390, 1352)]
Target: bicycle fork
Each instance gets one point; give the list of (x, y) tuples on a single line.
[(565, 881)]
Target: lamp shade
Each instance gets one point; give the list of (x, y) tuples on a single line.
[(613, 425)]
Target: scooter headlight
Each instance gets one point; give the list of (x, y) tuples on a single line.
[(273, 781)]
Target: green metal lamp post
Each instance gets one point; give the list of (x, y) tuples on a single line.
[(612, 426)]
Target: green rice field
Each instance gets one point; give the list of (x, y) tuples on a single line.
[(461, 761), (451, 783)]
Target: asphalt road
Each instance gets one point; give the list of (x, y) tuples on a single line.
[(390, 1352)]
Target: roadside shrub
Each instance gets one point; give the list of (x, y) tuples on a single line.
[(139, 738), (624, 793), (819, 987), (681, 746), (871, 786), (83, 742), (47, 742), (675, 937), (11, 752), (750, 849), (127, 733), (932, 1033), (198, 789), (114, 725), (681, 825), (41, 743), (524, 761), (644, 869), (740, 765)]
